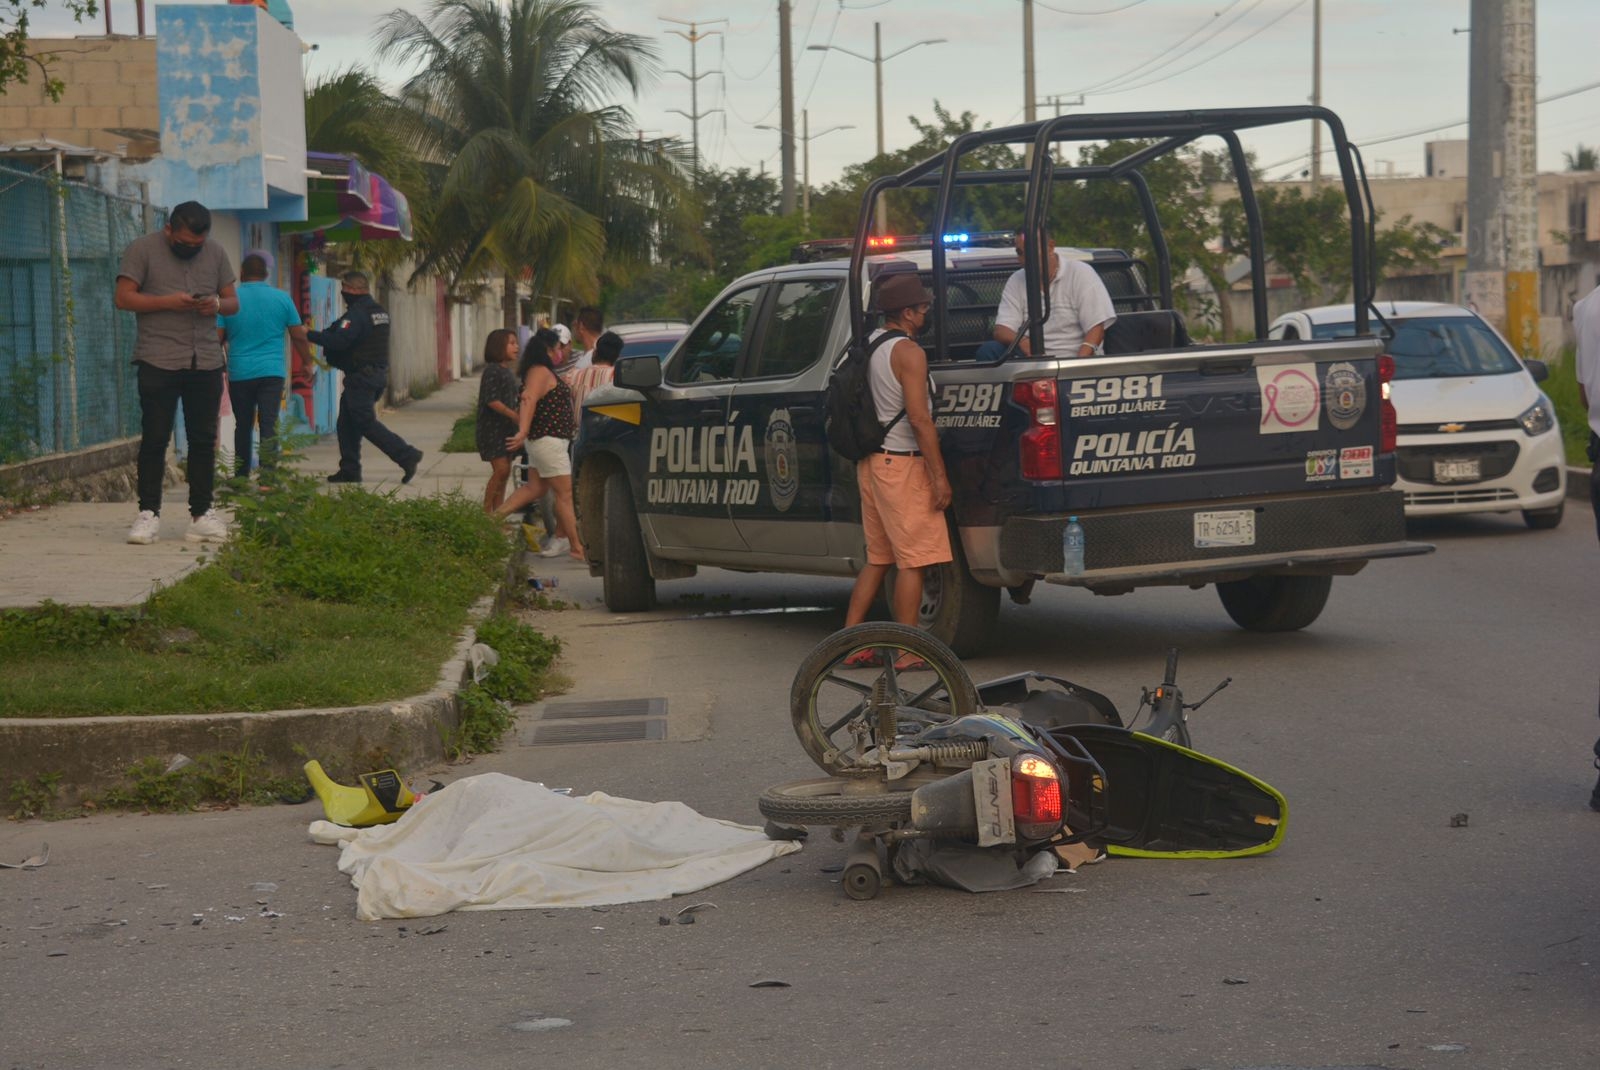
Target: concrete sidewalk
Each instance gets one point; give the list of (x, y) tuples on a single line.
[(77, 554)]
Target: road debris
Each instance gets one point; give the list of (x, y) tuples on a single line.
[(771, 984), (31, 862), (1458, 821)]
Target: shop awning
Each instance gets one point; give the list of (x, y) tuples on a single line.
[(346, 202)]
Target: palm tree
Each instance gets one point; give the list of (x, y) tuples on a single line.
[(531, 164), (1583, 158)]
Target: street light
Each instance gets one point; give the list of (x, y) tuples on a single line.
[(806, 138), (877, 60)]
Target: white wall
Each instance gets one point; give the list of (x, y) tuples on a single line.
[(413, 349)]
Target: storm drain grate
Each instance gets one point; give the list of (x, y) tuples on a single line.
[(625, 707), (632, 720), (614, 731)]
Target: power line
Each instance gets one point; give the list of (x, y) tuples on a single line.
[(740, 75), (1086, 14), (1170, 48), (1194, 66), (824, 58)]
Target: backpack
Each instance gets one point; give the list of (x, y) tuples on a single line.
[(850, 416)]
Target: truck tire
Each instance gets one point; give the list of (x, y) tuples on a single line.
[(625, 571), (956, 609), (1275, 603), (822, 802)]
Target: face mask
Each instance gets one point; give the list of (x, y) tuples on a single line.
[(349, 298), (184, 251)]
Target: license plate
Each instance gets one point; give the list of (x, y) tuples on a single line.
[(1460, 471), (1229, 527), (991, 793)]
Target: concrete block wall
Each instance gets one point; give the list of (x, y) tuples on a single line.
[(110, 85)]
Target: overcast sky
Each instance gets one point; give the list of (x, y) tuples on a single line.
[(1389, 67)]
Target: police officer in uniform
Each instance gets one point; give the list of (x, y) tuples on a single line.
[(358, 345)]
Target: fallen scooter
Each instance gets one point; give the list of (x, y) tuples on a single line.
[(976, 785)]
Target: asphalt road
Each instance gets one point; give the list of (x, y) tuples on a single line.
[(1377, 936)]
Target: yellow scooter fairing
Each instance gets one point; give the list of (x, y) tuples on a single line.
[(381, 798)]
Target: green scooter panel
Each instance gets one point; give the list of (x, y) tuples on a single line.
[(1166, 801)]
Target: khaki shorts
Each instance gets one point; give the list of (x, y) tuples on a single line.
[(550, 456), (897, 514)]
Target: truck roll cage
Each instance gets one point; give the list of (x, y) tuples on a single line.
[(1174, 130)]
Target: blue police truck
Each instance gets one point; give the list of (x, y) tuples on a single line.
[(1264, 468)]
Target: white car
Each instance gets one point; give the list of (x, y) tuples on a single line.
[(1476, 432)]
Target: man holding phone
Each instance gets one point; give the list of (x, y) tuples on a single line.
[(176, 282)]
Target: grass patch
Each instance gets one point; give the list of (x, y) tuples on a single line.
[(1562, 388), (521, 675), (463, 435), (318, 600)]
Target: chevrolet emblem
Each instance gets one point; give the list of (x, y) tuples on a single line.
[(1451, 429)]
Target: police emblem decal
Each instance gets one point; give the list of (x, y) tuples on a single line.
[(1344, 394), (783, 460)]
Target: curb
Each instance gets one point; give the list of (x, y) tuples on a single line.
[(91, 755), (1577, 483)]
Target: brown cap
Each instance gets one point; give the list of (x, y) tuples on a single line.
[(901, 290)]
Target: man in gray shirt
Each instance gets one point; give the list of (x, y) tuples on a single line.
[(176, 282)]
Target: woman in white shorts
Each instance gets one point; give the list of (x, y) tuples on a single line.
[(545, 423)]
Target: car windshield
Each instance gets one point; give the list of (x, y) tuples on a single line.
[(1437, 347), (652, 346)]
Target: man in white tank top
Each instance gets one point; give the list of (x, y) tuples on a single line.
[(904, 489)]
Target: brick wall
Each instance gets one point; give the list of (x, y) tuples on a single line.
[(110, 85)]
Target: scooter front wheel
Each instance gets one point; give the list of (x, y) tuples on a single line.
[(835, 801), (851, 675)]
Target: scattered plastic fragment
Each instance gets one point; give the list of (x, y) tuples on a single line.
[(31, 862), (1234, 981), (1445, 1047), (1458, 821), (540, 1025), (262, 886), (770, 984)]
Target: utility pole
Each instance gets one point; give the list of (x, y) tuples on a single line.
[(694, 114), (1316, 93), (877, 60), (806, 137), (1520, 206), (1057, 100), (1030, 100), (786, 101), (1502, 278)]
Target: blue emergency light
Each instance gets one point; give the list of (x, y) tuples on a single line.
[(958, 238)]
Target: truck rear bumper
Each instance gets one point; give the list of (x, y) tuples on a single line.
[(1326, 533)]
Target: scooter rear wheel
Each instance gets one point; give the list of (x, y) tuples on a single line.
[(834, 705), (825, 802)]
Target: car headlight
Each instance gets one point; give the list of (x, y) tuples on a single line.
[(1540, 417)]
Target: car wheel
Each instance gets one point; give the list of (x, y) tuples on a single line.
[(1543, 519), (625, 570), (1275, 603), (958, 610)]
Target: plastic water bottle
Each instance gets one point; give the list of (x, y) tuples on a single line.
[(1072, 547)]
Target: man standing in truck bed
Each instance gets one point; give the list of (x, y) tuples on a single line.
[(904, 489), (1080, 309)]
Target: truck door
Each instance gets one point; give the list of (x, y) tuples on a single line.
[(695, 458), (784, 507)]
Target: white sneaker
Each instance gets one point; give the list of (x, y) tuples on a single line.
[(558, 547), (208, 528), (146, 529)]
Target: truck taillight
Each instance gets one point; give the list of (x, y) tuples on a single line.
[(1035, 797), (1041, 443), (1388, 421)]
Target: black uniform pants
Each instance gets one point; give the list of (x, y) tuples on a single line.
[(358, 419), (160, 393), (253, 398)]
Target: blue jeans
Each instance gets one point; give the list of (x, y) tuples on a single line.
[(253, 398), (358, 419), (160, 393)]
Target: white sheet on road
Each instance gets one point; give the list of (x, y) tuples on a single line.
[(493, 842)]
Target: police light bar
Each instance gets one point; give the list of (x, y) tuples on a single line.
[(832, 248), (958, 238)]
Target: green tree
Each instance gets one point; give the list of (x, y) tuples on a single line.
[(1583, 158), (15, 59), (532, 166)]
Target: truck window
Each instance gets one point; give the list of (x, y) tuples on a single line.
[(711, 352), (796, 329)]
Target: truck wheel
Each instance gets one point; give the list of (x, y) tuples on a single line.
[(1275, 603), (956, 609), (1543, 519), (625, 571)]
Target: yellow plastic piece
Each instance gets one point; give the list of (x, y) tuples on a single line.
[(381, 798)]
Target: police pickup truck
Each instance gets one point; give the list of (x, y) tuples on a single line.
[(1263, 468)]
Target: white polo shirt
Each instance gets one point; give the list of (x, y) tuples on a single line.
[(1078, 302), (1586, 324)]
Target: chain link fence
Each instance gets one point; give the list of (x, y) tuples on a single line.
[(65, 378)]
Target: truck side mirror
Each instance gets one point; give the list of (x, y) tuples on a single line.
[(637, 373), (1538, 369)]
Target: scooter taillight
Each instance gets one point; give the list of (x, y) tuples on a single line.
[(1035, 797)]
